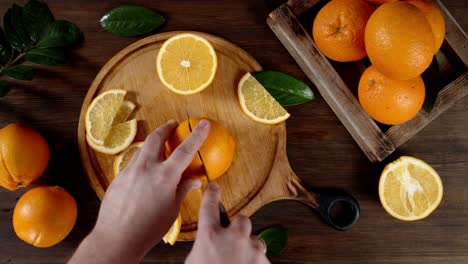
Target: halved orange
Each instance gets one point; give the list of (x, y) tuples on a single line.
[(410, 189)]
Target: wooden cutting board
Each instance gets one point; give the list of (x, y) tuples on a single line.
[(260, 172)]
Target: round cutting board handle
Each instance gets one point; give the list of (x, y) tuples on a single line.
[(336, 207)]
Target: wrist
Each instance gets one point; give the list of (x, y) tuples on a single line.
[(112, 249)]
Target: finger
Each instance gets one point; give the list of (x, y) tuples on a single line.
[(258, 244), (209, 210), (183, 155), (184, 187), (134, 157), (131, 163), (241, 224), (260, 258), (152, 149)]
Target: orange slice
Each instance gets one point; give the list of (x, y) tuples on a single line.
[(121, 134), (120, 138), (121, 161), (171, 236), (100, 114), (122, 115), (124, 112), (257, 102), (186, 64)]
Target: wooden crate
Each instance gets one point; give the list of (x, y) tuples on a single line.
[(337, 82)]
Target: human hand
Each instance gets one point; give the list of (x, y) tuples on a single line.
[(144, 199), (215, 244)]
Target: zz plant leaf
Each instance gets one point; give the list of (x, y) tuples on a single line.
[(286, 89), (275, 239), (36, 17), (131, 20), (31, 33), (59, 34), (15, 31), (46, 56), (20, 72)]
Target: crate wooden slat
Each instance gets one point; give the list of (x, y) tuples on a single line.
[(376, 144), (454, 35), (447, 97)]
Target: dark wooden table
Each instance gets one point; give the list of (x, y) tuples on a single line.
[(320, 149)]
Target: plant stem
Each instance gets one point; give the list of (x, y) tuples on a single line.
[(20, 56), (11, 63)]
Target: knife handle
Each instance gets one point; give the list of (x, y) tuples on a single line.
[(223, 216)]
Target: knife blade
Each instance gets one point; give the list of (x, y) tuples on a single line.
[(223, 216)]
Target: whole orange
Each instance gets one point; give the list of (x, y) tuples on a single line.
[(338, 29), (399, 40), (24, 156), (379, 2), (435, 18), (390, 101), (44, 216), (217, 151)]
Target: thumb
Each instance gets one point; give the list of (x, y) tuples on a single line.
[(209, 210), (184, 187)]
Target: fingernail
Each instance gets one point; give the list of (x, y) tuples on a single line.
[(197, 184), (171, 121), (213, 186), (203, 123)]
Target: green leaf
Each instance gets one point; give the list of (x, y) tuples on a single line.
[(431, 79), (46, 56), (131, 20), (276, 239), (36, 17), (15, 30), (5, 48), (60, 34), (20, 72), (4, 88), (286, 89)]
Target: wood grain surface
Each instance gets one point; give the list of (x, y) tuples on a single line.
[(320, 150), (260, 172)]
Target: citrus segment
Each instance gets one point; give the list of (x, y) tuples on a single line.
[(100, 114), (124, 112), (410, 189), (121, 161), (258, 104), (186, 63), (171, 236)]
